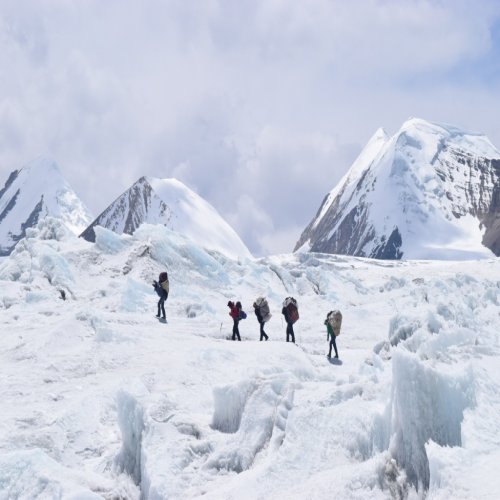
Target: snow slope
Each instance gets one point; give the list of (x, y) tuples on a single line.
[(171, 203), (30, 194), (101, 401), (429, 192)]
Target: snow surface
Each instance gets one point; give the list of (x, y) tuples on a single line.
[(40, 181), (99, 400)]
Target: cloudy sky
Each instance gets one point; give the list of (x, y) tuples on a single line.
[(260, 106)]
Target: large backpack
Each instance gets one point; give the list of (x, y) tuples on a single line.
[(334, 319), (163, 280), (291, 306), (263, 307)]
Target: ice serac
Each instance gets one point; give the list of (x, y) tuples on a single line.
[(30, 194), (431, 191), (170, 203)]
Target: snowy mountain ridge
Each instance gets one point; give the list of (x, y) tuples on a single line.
[(430, 191), (169, 202), (35, 191)]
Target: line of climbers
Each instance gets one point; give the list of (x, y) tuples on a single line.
[(290, 311)]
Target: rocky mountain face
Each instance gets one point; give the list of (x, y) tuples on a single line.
[(136, 205), (431, 191), (170, 203), (35, 191)]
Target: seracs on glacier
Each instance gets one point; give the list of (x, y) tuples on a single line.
[(101, 401)]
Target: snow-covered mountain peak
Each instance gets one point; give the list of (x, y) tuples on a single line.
[(429, 191), (430, 136), (379, 134), (42, 165), (362, 163), (42, 173), (171, 203), (35, 191)]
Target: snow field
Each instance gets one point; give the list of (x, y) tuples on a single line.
[(102, 401)]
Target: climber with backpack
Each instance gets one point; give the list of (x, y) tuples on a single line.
[(162, 288), (333, 323), (261, 308), (291, 312), (237, 313)]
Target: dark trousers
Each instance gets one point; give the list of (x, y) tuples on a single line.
[(289, 332), (161, 306), (263, 334), (334, 344), (236, 331)]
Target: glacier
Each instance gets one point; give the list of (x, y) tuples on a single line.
[(100, 400)]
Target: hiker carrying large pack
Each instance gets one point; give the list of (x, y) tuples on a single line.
[(263, 314), (333, 324), (162, 288), (236, 312), (291, 312)]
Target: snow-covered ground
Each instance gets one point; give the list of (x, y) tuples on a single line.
[(100, 400)]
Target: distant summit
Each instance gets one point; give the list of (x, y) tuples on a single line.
[(431, 191), (170, 203), (35, 191)]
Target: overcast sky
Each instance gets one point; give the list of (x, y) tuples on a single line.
[(259, 106)]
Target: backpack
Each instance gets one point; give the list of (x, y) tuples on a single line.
[(243, 315), (263, 307), (334, 319), (163, 280), (234, 312), (291, 306)]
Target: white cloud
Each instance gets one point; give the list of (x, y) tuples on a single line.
[(264, 100), (251, 222), (281, 240)]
